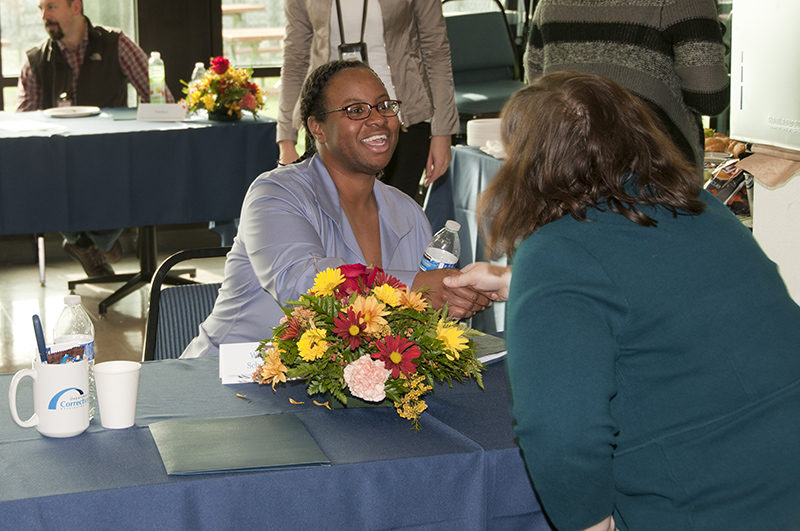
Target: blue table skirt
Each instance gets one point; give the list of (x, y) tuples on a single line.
[(463, 471)]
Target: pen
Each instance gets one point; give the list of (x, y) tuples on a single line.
[(37, 328)]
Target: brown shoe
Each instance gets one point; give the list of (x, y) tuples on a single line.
[(90, 258), (113, 255)]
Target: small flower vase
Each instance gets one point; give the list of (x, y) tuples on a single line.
[(353, 402), (221, 115)]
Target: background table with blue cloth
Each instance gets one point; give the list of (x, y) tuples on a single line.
[(461, 472), (110, 171), (455, 196)]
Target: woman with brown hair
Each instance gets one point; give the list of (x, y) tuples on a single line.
[(641, 401)]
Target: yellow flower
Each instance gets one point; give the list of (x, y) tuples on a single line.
[(208, 101), (326, 281), (413, 300), (453, 339), (312, 345), (273, 371), (411, 405), (387, 294), (194, 97), (372, 312)]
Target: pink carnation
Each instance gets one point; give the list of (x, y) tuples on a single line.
[(366, 378), (249, 102)]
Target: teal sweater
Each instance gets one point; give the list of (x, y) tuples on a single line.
[(656, 374)]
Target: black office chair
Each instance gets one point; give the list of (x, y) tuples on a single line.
[(487, 68), (174, 313)]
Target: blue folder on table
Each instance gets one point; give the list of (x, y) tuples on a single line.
[(205, 446)]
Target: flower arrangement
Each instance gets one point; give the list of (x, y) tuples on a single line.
[(362, 331), (224, 90)]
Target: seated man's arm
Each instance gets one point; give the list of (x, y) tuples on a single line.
[(29, 92), (133, 62)]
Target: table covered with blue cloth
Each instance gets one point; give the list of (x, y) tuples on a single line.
[(462, 471), (110, 171)]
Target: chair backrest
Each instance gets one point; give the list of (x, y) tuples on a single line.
[(181, 310), (174, 313), (481, 47)]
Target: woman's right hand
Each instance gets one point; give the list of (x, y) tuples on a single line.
[(287, 152)]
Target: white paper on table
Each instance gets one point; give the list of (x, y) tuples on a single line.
[(490, 358), (25, 126), (238, 362), (494, 148)]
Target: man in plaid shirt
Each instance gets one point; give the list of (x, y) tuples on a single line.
[(81, 64)]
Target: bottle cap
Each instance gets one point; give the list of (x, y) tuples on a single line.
[(71, 299), (454, 226), (200, 64), (155, 55)]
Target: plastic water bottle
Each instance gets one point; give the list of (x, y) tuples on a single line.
[(158, 83), (444, 248), (198, 73), (75, 326)]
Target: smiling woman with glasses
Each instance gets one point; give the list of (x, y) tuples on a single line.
[(326, 211), (405, 43), (362, 110)]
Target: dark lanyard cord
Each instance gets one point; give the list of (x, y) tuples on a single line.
[(341, 24)]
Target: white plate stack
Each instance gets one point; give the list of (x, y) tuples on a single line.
[(482, 130)]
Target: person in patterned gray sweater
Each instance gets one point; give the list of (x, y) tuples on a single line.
[(667, 52)]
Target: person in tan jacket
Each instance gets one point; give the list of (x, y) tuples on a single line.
[(406, 44)]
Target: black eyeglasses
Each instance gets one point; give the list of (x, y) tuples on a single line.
[(361, 111)]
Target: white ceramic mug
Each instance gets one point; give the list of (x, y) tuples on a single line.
[(60, 398)]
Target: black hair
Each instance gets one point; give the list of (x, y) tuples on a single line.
[(312, 97)]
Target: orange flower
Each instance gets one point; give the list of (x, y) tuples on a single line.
[(413, 300), (273, 371), (372, 313)]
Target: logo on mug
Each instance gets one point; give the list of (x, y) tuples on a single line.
[(66, 400)]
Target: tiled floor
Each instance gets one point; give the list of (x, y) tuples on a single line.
[(120, 334)]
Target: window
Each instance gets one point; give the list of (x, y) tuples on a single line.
[(252, 33), (252, 36), (21, 29)]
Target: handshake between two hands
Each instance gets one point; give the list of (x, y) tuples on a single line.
[(471, 290)]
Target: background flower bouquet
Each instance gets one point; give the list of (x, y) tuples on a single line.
[(363, 332), (224, 91)]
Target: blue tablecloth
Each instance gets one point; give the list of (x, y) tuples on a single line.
[(463, 471), (99, 172), (455, 196)]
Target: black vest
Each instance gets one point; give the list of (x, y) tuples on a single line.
[(100, 82)]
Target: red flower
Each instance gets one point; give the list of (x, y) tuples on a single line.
[(349, 328), (220, 65), (355, 276), (352, 270), (293, 329), (359, 278), (397, 353), (381, 278)]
